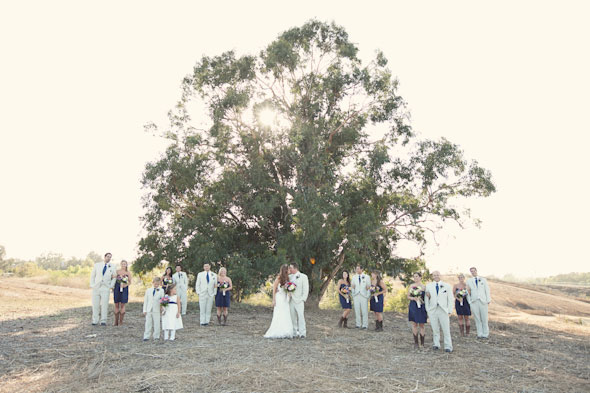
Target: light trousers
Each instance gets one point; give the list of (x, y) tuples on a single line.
[(152, 321), (205, 305), (439, 319), (298, 317), (479, 310), (361, 311), (100, 303), (182, 294)]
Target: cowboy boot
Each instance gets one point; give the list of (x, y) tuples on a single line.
[(376, 326), (224, 320), (380, 326), (219, 319), (340, 322), (467, 327), (345, 324), (121, 315), (416, 346), (422, 340), (462, 329), (116, 319)]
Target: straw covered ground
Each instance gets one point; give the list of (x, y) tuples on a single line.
[(48, 345)]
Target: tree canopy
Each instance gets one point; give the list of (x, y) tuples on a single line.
[(287, 166)]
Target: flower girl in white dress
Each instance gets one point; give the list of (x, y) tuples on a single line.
[(171, 320)]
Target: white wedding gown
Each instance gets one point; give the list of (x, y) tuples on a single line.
[(281, 325)]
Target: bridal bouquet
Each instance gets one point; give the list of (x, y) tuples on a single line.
[(416, 291), (346, 291), (290, 287), (168, 281), (122, 280), (373, 289), (461, 294), (223, 286), (164, 301)]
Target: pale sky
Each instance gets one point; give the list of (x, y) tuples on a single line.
[(508, 81)]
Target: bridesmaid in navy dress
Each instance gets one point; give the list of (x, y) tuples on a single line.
[(344, 296), (377, 299), (222, 301), (463, 310), (121, 293), (417, 310), (167, 278)]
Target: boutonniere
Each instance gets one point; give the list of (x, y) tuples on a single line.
[(297, 276)]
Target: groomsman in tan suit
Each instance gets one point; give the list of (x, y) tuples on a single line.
[(206, 288), (360, 284), (181, 280), (102, 279), (439, 303), (478, 296)]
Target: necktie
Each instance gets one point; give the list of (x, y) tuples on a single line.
[(207, 277), (359, 279), (154, 293), (476, 284), (437, 288), (104, 269)]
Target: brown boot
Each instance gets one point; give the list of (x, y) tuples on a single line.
[(224, 320), (467, 327), (340, 322), (461, 328), (416, 346), (380, 328), (345, 324), (422, 340), (376, 326), (219, 319), (121, 315), (116, 319)]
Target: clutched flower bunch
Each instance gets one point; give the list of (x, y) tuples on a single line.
[(164, 301), (223, 286), (290, 286), (417, 292), (122, 280), (346, 291), (374, 290), (168, 281), (461, 294)]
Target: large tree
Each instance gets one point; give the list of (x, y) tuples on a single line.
[(282, 163)]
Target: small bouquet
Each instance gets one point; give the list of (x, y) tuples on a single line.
[(373, 289), (416, 291), (461, 294), (346, 291), (121, 281), (223, 286), (164, 301), (168, 281), (290, 287)]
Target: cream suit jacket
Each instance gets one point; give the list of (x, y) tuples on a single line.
[(444, 298)]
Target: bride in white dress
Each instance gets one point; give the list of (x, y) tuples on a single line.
[(281, 325)]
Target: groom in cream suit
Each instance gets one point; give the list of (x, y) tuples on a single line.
[(206, 288), (102, 279), (478, 296), (298, 298), (360, 285), (439, 303), (181, 280)]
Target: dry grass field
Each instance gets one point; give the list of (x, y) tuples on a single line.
[(540, 342)]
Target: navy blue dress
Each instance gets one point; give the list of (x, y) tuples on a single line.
[(343, 302), (220, 300), (377, 306), (120, 296), (462, 309), (416, 314)]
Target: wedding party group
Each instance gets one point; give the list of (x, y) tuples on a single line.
[(166, 301)]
